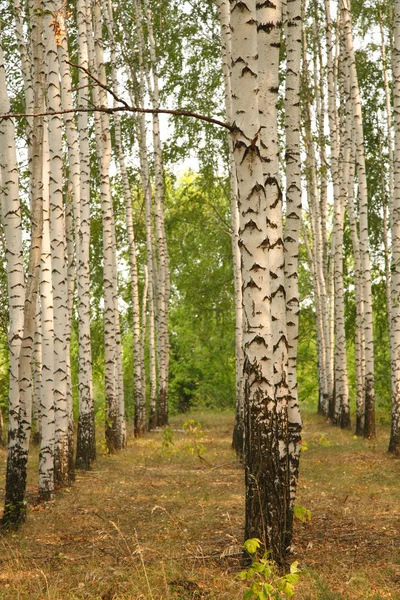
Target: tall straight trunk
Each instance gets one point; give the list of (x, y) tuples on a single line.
[(106, 138), (73, 208), (86, 442), (394, 443), (293, 32), (37, 375), (103, 149), (268, 498), (144, 316), (19, 443), (139, 384), (369, 425), (69, 236), (58, 247), (342, 408), (163, 287), (12, 225), (226, 47), (147, 194), (321, 289), (47, 413), (333, 119)]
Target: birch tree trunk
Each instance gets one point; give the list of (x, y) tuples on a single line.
[(47, 405), (103, 148), (147, 194), (268, 499), (139, 384), (163, 287), (394, 444), (58, 245), (19, 443), (226, 47), (86, 443), (11, 217), (293, 26), (369, 425)]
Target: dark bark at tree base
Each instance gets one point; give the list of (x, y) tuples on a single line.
[(331, 407), (112, 440), (162, 412), (93, 452), (84, 442), (394, 444), (15, 504), (139, 427), (359, 426), (369, 424), (345, 420), (238, 438), (152, 421), (71, 462), (61, 464), (3, 437), (269, 515), (323, 401)]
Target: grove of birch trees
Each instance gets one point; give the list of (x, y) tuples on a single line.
[(200, 205)]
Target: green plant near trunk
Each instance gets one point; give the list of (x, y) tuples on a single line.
[(263, 574)]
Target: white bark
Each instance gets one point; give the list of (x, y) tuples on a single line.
[(226, 47), (163, 284), (103, 148), (47, 406), (139, 384), (369, 426), (394, 444), (293, 33), (86, 447), (11, 218)]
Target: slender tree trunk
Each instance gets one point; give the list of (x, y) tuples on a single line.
[(103, 148), (394, 443), (226, 47), (369, 425), (58, 247), (139, 385), (163, 287), (147, 194), (47, 412), (14, 510), (293, 33), (37, 376), (86, 442)]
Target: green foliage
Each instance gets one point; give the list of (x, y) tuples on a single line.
[(302, 513), (194, 433), (167, 440), (263, 575), (202, 320)]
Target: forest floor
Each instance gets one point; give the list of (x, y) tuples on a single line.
[(164, 520)]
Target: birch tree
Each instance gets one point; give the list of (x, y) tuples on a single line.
[(394, 444), (268, 497), (226, 47)]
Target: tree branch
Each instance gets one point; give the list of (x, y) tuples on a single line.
[(133, 109)]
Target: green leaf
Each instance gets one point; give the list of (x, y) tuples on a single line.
[(302, 513), (288, 590), (293, 567), (252, 545)]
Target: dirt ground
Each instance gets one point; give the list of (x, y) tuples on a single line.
[(164, 520)]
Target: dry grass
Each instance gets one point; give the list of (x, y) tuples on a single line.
[(153, 522)]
